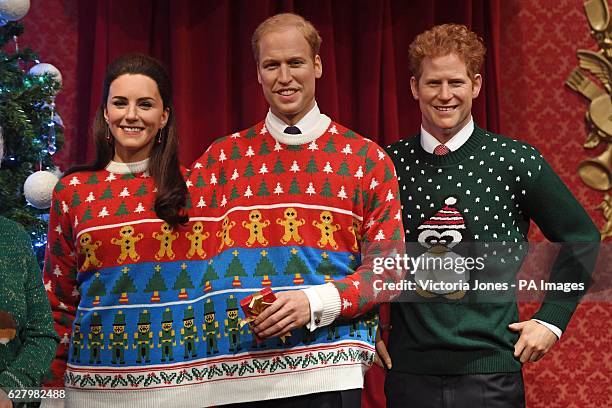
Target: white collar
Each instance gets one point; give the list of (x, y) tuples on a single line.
[(126, 168), (312, 125), (429, 142)]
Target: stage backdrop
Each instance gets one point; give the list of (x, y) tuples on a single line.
[(365, 85)]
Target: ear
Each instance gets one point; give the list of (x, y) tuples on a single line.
[(318, 66), (165, 116), (476, 85), (414, 87), (258, 74)]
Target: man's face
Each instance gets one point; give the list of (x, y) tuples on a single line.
[(445, 93), (287, 71)]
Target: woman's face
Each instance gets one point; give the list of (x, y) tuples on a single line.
[(135, 113)]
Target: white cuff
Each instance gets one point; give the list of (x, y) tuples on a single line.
[(550, 327), (324, 305)]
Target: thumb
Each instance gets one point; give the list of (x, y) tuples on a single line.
[(516, 326)]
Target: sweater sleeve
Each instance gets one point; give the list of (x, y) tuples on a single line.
[(382, 237), (59, 276), (562, 220), (40, 340)]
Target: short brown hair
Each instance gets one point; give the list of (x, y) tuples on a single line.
[(283, 21), (445, 39)]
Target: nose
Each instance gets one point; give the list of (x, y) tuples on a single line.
[(284, 75), (445, 92), (131, 113)]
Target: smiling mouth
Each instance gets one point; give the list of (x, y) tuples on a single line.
[(445, 108), (287, 92), (131, 129)]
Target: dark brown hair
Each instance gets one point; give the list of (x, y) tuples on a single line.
[(447, 39), (164, 166), (284, 21)]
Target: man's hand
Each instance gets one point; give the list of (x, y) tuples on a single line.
[(5, 402), (290, 310), (382, 355), (534, 342)]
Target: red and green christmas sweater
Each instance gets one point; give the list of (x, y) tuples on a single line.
[(290, 214)]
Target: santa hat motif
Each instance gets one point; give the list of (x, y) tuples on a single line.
[(446, 218)]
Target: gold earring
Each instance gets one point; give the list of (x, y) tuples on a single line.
[(159, 135), (107, 136)]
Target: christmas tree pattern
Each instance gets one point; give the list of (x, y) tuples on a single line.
[(296, 267), (235, 155), (235, 269), (294, 188), (263, 189), (183, 282), (278, 166), (124, 285), (330, 147), (93, 179), (96, 289), (107, 193), (156, 284), (326, 268), (209, 276), (344, 169), (326, 190), (248, 171), (265, 268), (311, 167), (122, 210)]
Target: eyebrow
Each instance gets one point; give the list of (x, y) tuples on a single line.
[(146, 98)]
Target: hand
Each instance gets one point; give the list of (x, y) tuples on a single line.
[(382, 355), (534, 342), (290, 310), (5, 401)]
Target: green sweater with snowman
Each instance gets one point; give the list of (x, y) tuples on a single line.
[(478, 201)]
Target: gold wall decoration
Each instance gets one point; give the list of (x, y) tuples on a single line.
[(593, 80)]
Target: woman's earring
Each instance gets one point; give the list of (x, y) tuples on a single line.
[(159, 135), (108, 137)]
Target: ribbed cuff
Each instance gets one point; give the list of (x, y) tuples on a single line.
[(330, 298), (556, 313)]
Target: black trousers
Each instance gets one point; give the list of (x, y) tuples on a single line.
[(501, 390), (332, 399)]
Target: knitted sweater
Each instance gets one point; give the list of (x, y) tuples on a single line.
[(290, 216), (27, 339), (126, 293), (486, 191)]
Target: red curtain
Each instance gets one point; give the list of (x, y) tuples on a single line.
[(206, 47)]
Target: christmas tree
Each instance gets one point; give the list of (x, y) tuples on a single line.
[(326, 268), (124, 285), (96, 289), (210, 275), (156, 284), (31, 130), (235, 269), (265, 268), (183, 282), (297, 267)]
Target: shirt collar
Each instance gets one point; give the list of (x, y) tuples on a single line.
[(429, 142), (312, 125), (126, 168)]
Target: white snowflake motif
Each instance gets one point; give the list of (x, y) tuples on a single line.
[(263, 130), (198, 165), (528, 173), (313, 146), (124, 193), (201, 203), (359, 173), (518, 178), (235, 135), (248, 193), (57, 271), (327, 169), (277, 147), (522, 160), (294, 167), (249, 152), (74, 181), (381, 155), (90, 198), (333, 130), (234, 175), (488, 190), (64, 207), (140, 208), (223, 201), (222, 156), (110, 177), (346, 304), (263, 169), (373, 184), (347, 149)]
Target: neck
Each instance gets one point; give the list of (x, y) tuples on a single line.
[(295, 118), (131, 156)]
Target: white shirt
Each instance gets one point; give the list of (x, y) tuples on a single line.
[(429, 143)]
